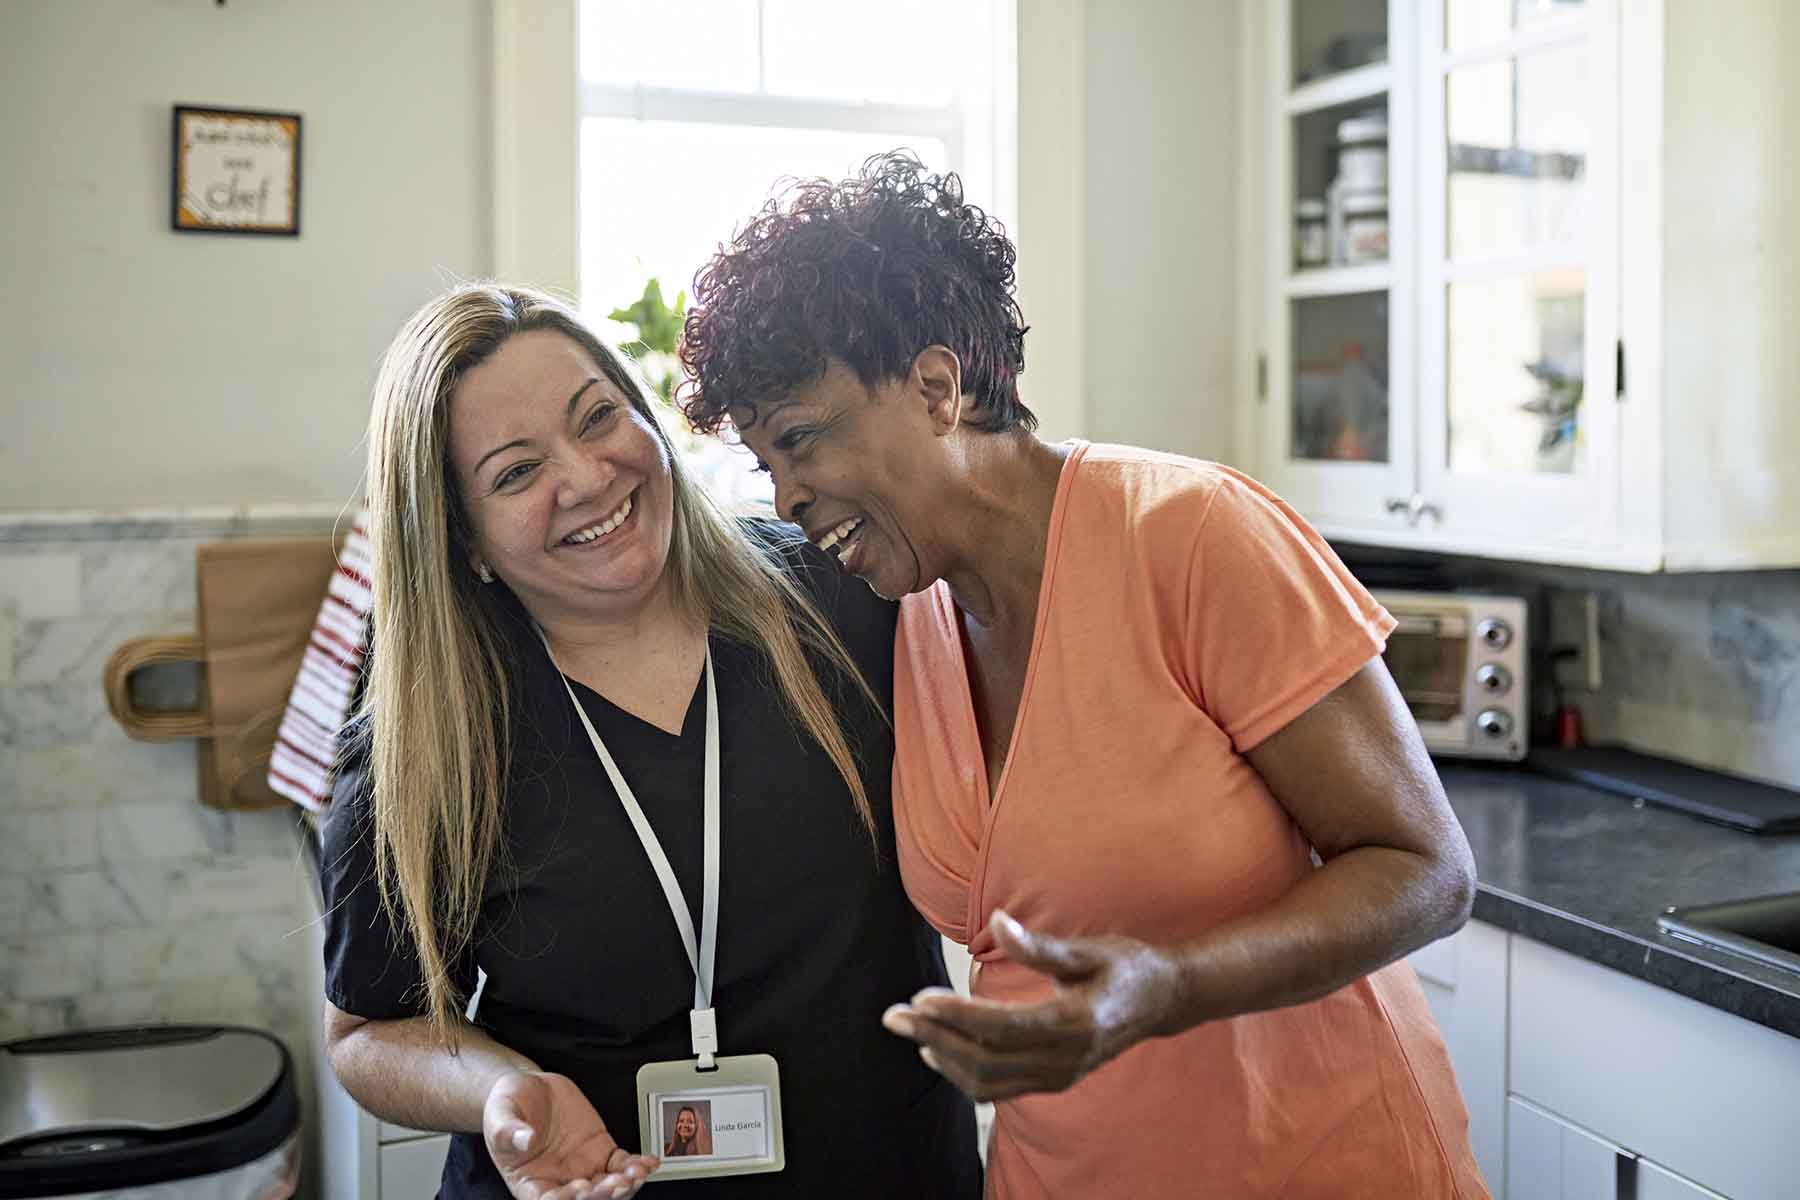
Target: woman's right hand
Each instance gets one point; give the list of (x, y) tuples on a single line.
[(549, 1144)]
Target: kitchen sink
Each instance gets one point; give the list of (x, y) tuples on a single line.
[(1765, 928)]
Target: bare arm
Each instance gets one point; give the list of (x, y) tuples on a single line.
[(542, 1133), (402, 1073), (1353, 773), (1397, 874)]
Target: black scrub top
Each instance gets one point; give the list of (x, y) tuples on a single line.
[(586, 973)]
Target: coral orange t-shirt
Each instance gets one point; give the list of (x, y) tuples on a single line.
[(1185, 615)]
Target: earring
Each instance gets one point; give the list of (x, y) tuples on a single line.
[(482, 573)]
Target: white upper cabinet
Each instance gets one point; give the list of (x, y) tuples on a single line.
[(1339, 286), (1526, 265), (1518, 408)]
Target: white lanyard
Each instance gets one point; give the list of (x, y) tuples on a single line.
[(701, 1023)]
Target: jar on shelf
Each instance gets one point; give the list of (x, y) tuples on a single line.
[(1362, 152), (1365, 228), (1312, 248)]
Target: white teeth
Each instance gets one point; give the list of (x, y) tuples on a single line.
[(839, 534), (605, 527)]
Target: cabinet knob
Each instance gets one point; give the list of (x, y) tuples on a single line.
[(1414, 506)]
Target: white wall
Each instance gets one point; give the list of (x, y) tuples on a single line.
[(150, 368), (1159, 220), (1051, 158), (1130, 124), (1731, 262)]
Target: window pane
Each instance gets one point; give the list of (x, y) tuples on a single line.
[(704, 44), (1472, 23), (1340, 401), (1331, 36), (890, 52), (1517, 362), (658, 198), (1517, 151)]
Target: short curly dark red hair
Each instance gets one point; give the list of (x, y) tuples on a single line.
[(870, 271)]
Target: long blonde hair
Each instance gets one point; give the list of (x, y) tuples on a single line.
[(437, 696)]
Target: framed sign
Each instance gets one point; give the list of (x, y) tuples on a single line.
[(235, 171)]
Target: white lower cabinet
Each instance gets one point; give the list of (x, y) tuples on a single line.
[(1464, 979), (411, 1170), (1706, 1096), (1549, 1159), (1583, 1081), (1654, 1183), (370, 1159)]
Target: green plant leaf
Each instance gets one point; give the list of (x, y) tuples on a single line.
[(658, 325)]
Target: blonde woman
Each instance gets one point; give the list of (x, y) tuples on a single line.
[(564, 626)]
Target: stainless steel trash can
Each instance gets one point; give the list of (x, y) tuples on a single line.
[(201, 1112)]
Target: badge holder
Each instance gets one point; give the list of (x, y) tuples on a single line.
[(709, 1117)]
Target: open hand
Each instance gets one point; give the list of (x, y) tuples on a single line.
[(1111, 993), (549, 1144)]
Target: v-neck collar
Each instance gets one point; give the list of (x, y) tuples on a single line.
[(946, 606), (691, 721), (947, 609)]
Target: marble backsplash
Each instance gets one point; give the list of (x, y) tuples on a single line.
[(122, 899), (1704, 668)]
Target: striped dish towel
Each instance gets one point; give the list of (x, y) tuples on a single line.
[(300, 767)]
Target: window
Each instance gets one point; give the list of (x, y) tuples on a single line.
[(692, 110)]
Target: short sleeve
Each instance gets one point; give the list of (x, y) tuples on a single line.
[(864, 622), (1275, 621), (371, 970)]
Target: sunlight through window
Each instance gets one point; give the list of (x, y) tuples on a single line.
[(693, 111)]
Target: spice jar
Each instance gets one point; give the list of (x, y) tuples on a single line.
[(1365, 228), (1362, 152), (1311, 247)]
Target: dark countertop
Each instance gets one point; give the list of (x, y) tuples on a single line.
[(1589, 872)]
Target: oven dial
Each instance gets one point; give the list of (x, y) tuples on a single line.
[(1494, 722), (1494, 633), (1493, 678)]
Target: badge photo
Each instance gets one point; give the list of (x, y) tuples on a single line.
[(726, 1121)]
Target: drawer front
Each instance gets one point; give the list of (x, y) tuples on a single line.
[(1550, 1159), (386, 1132), (1436, 963), (412, 1170), (1464, 980), (1704, 1093), (1654, 1183)]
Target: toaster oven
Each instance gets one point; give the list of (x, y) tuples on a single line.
[(1460, 661)]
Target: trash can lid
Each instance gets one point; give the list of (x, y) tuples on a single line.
[(155, 1079)]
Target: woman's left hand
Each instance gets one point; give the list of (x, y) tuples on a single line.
[(1111, 993)]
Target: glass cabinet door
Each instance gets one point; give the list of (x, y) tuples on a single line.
[(1519, 243), (1339, 434)]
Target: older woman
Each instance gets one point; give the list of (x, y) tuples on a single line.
[(601, 717), (1135, 696)]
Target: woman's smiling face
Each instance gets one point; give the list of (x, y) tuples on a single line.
[(854, 466), (565, 484)]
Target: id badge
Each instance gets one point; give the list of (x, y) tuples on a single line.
[(704, 1124)]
